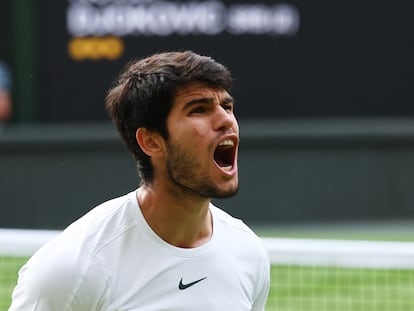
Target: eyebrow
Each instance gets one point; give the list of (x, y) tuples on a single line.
[(208, 100)]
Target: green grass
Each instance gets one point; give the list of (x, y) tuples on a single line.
[(302, 288), (9, 267), (340, 289)]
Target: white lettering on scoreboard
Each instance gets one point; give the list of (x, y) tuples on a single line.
[(163, 18)]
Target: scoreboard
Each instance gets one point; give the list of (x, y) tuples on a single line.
[(289, 59)]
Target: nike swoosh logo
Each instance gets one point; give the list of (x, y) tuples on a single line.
[(182, 286)]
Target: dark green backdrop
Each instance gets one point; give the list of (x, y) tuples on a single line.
[(346, 61), (290, 171)]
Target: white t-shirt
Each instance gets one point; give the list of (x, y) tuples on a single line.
[(110, 259)]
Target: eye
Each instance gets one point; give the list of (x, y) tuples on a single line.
[(198, 110), (228, 107)]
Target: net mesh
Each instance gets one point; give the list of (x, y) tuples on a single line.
[(338, 275), (306, 275), (341, 289)]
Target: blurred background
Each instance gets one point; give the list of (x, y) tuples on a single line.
[(324, 95)]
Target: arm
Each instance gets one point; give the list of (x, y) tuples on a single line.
[(263, 285), (57, 279)]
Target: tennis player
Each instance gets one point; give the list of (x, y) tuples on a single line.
[(164, 246)]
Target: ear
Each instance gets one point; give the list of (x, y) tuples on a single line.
[(151, 143)]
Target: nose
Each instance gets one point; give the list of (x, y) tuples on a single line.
[(224, 119)]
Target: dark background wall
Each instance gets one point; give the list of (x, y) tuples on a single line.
[(306, 59), (290, 172), (315, 58), (323, 93)]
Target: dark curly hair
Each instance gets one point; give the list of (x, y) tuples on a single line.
[(143, 94)]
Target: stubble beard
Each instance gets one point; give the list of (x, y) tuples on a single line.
[(182, 169)]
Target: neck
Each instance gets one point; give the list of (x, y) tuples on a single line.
[(180, 220)]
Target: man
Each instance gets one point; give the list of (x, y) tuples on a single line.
[(163, 246), (5, 97)]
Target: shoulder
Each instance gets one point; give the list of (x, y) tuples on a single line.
[(98, 228), (70, 269), (237, 232), (229, 222), (57, 279), (118, 211)]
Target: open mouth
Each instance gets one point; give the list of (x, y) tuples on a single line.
[(224, 154)]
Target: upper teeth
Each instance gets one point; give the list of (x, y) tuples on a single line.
[(227, 142)]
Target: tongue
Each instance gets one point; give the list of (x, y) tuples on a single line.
[(221, 163)]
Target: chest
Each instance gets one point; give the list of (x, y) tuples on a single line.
[(208, 283)]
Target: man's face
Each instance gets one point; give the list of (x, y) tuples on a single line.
[(203, 142)]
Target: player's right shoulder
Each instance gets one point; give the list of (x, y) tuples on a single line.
[(68, 270), (53, 277)]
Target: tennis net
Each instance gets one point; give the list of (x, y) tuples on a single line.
[(338, 275), (307, 274)]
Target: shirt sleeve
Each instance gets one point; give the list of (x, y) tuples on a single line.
[(263, 284), (56, 280)]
